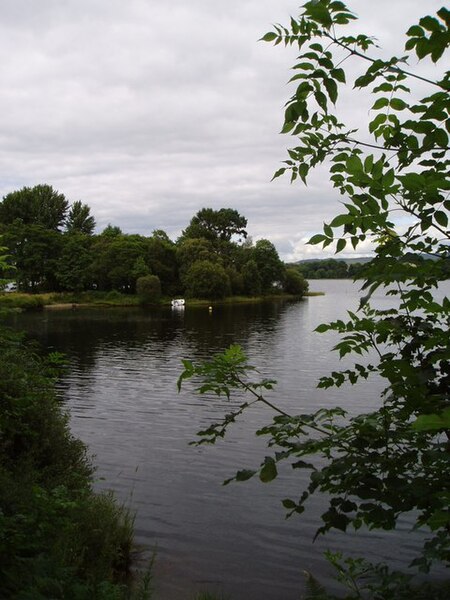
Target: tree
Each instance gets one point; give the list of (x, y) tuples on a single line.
[(73, 267), (205, 279), (294, 282), (394, 460), (34, 252), (111, 231), (193, 250), (162, 260), (40, 205), (270, 267), (252, 278), (216, 225), (79, 219), (115, 258), (148, 288)]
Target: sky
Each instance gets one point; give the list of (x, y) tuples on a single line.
[(149, 111)]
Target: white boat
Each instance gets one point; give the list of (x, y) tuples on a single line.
[(177, 302)]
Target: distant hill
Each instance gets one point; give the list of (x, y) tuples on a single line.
[(347, 261), (342, 268), (330, 268)]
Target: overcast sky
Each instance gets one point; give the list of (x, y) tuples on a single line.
[(149, 110)]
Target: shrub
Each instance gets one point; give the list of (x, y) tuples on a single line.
[(295, 283), (148, 289), (57, 538), (205, 279)]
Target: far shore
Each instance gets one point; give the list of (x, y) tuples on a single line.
[(55, 301)]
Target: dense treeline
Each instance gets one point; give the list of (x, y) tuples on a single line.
[(53, 248), (329, 269), (339, 269)]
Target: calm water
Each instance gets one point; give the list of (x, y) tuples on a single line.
[(121, 393)]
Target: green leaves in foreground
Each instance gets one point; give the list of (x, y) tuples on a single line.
[(393, 459)]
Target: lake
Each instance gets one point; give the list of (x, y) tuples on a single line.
[(121, 392)]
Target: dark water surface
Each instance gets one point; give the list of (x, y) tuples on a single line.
[(121, 393)]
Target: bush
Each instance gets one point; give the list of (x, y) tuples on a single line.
[(57, 538), (295, 283), (205, 279), (148, 289)]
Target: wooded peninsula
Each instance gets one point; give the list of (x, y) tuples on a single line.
[(51, 247)]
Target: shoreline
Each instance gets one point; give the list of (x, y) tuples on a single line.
[(34, 302)]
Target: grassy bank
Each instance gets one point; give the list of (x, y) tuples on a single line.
[(30, 302), (58, 539)]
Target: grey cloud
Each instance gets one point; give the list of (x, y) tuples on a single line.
[(149, 111)]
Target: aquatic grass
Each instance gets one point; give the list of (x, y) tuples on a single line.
[(26, 302)]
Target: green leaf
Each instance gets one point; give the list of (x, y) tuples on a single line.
[(398, 104), (244, 475), (380, 103), (303, 170), (354, 165), (413, 181), (317, 239), (319, 13), (331, 87), (341, 220), (288, 503), (430, 24), (327, 230), (321, 100), (338, 74), (269, 471), (269, 37), (416, 31), (341, 243), (441, 218), (305, 66), (279, 173), (384, 87), (288, 126)]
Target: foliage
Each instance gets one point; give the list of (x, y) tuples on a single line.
[(47, 259), (252, 278), (270, 267), (79, 219), (361, 579), (72, 269), (162, 261), (111, 231), (34, 250), (193, 250), (295, 283), (22, 301), (114, 261), (215, 225), (393, 460), (40, 205), (57, 538), (328, 269), (148, 288), (205, 279)]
